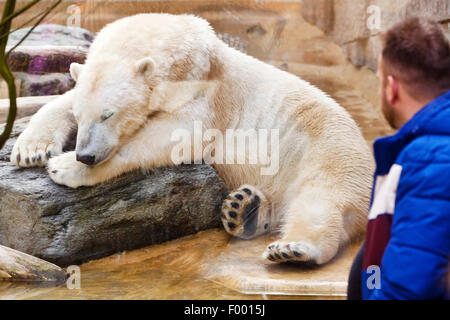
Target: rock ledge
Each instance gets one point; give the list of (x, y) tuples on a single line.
[(67, 226)]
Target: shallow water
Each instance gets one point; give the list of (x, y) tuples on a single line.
[(211, 265), (207, 265)]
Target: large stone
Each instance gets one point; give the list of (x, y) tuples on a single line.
[(52, 34), (44, 85), (350, 23), (67, 226), (43, 59), (44, 70)]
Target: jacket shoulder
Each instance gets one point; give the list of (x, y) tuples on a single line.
[(427, 149)]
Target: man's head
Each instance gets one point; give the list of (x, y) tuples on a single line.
[(414, 68)]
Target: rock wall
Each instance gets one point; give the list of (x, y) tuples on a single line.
[(67, 226), (43, 59), (357, 25)]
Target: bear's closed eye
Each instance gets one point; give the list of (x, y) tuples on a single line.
[(106, 115)]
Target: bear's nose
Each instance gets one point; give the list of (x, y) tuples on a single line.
[(86, 159)]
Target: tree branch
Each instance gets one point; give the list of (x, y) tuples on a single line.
[(5, 72), (49, 9)]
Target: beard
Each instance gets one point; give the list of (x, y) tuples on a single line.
[(388, 111)]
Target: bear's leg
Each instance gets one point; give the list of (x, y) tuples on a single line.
[(49, 131), (312, 230), (246, 213)]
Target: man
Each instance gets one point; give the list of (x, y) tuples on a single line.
[(407, 248)]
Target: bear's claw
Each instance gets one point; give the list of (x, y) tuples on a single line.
[(32, 152), (281, 251)]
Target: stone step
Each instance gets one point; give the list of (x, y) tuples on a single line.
[(26, 106), (44, 69), (45, 58)]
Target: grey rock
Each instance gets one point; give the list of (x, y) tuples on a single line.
[(67, 226), (45, 59), (42, 61), (52, 34), (44, 85)]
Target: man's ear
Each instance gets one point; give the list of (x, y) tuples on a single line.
[(75, 69), (145, 66), (173, 96), (391, 90)]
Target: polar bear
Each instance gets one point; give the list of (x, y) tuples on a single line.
[(149, 75)]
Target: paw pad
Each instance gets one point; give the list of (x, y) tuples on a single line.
[(288, 252), (241, 213)]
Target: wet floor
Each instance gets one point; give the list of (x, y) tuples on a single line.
[(210, 264), (207, 265)]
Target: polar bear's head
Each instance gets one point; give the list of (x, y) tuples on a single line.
[(139, 69)]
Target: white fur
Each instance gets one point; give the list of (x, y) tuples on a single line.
[(320, 195), (75, 69)]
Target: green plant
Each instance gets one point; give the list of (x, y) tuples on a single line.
[(5, 30)]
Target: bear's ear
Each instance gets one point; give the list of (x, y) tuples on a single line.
[(75, 69), (145, 66)]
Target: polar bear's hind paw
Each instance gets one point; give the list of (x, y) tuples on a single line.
[(245, 213), (281, 251)]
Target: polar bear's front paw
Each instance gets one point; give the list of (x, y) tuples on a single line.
[(245, 213), (281, 251), (34, 150), (66, 170)]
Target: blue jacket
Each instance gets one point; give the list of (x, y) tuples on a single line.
[(408, 237)]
